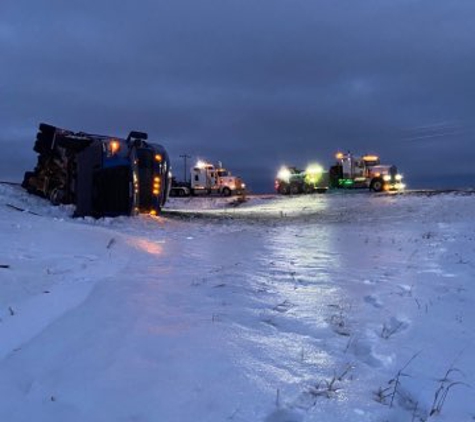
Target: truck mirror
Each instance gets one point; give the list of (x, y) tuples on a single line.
[(137, 135)]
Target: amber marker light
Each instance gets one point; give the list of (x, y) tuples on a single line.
[(114, 146), (370, 158)]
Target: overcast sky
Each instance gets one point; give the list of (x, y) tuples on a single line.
[(252, 83)]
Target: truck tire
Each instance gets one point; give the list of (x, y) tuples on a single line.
[(308, 189), (226, 191), (294, 189), (377, 185), (57, 196), (43, 143), (44, 138), (284, 190), (181, 193)]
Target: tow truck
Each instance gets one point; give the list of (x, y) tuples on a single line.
[(100, 175), (294, 181), (356, 172), (349, 172)]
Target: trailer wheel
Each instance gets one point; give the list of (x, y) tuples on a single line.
[(44, 138), (283, 190), (377, 185), (43, 143), (181, 193), (56, 196), (226, 191)]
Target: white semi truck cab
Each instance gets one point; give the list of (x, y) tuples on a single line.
[(208, 179)]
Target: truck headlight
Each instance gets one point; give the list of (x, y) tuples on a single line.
[(386, 177), (284, 174), (398, 177)]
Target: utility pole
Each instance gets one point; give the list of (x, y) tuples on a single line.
[(185, 157)]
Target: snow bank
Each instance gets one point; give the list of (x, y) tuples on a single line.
[(51, 264)]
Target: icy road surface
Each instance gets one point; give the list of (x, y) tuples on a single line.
[(316, 308)]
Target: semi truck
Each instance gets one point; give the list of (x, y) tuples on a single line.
[(208, 179), (367, 172), (294, 181), (100, 175)]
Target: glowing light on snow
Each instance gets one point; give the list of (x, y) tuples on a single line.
[(148, 246)]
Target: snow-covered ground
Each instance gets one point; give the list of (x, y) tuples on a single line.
[(349, 307)]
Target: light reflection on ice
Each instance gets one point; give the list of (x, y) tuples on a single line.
[(149, 246), (296, 267)]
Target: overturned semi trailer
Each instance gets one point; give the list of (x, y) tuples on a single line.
[(100, 175)]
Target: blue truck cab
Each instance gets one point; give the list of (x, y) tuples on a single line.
[(100, 175)]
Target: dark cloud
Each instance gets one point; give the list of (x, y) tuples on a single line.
[(254, 84)]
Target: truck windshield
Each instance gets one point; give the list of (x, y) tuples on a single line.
[(223, 173)]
